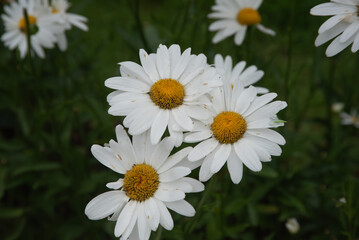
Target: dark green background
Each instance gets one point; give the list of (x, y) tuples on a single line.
[(50, 117)]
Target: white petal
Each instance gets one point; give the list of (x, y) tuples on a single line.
[(105, 204), (108, 158), (174, 159), (245, 99), (168, 195), (181, 207), (205, 171), (235, 168), (152, 213), (127, 84), (202, 149), (133, 70), (220, 157), (159, 125), (148, 63), (174, 174), (269, 134), (143, 226), (163, 62), (182, 119), (197, 186), (115, 185), (161, 152), (165, 220), (198, 136), (327, 9), (125, 218), (336, 46), (331, 22), (247, 155)]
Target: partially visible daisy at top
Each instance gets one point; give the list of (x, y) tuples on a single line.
[(42, 27), (66, 19), (248, 76), (167, 91), (239, 130), (343, 25), (234, 17), (350, 119)]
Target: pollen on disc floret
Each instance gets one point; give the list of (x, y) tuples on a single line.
[(167, 93), (248, 16), (141, 182), (228, 127)]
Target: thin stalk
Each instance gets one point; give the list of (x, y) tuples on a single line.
[(205, 195), (184, 21), (140, 25), (290, 53), (159, 233), (28, 40), (329, 100), (249, 43)]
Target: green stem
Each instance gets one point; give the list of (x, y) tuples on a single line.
[(184, 21), (249, 43), (140, 25), (289, 52), (192, 224), (159, 233), (28, 39)]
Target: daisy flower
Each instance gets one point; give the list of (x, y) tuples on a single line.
[(153, 182), (234, 17), (238, 132), (42, 27), (350, 119), (67, 20), (248, 77), (343, 25), (168, 90)]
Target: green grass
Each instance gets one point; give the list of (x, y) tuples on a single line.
[(50, 117)]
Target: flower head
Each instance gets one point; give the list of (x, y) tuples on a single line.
[(350, 119), (168, 90), (234, 17), (292, 225), (59, 9), (42, 27), (343, 25), (239, 130), (152, 182), (247, 77)]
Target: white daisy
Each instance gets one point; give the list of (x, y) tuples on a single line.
[(42, 27), (343, 25), (239, 130), (350, 119), (234, 17), (67, 20), (153, 181), (248, 77), (168, 90), (292, 225)]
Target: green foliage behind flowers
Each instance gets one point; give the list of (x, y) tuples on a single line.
[(52, 113)]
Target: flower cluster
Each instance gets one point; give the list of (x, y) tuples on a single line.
[(40, 23), (170, 98)]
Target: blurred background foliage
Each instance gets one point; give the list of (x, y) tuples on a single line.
[(51, 116)]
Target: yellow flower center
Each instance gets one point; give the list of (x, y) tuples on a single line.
[(54, 10), (167, 93), (141, 182), (22, 22), (228, 127), (248, 16)]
